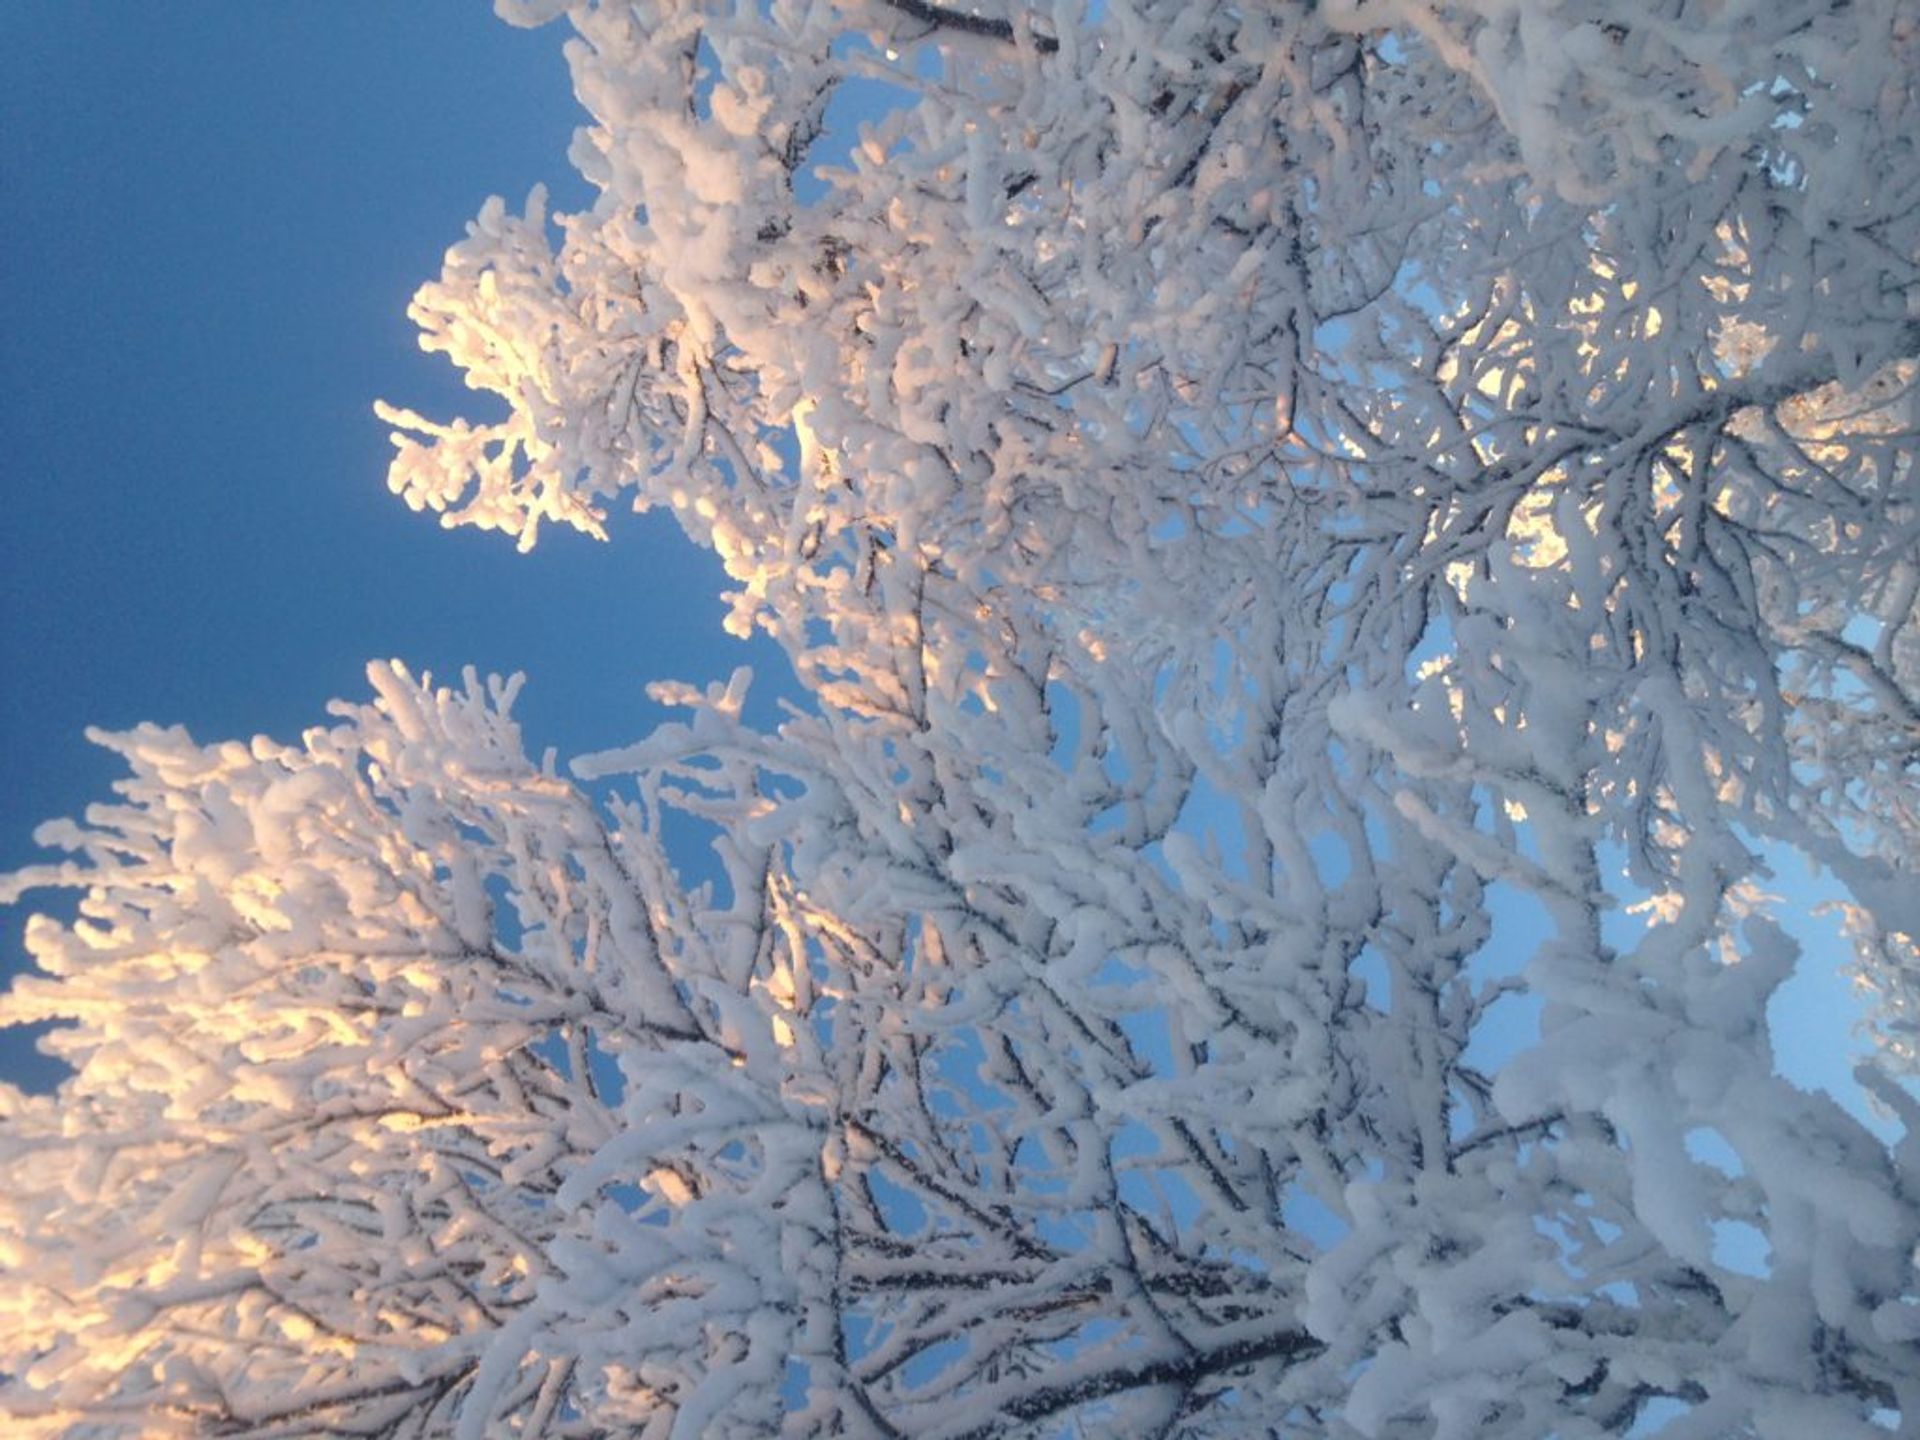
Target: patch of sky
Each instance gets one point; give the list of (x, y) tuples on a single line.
[(1371, 826), (1370, 969), (817, 632), (1742, 1248), (1564, 1243), (784, 441), (1307, 1215), (1521, 926), (1492, 817), (507, 926), (899, 1206), (1816, 1019), (957, 1065), (1461, 1111), (1862, 630), (1245, 1259), (552, 1048), (959, 1058), (1659, 1412), (1419, 290), (822, 1019), (706, 76), (1508, 1027), (1063, 719), (1840, 684), (608, 1078), (795, 1381), (1214, 822), (1709, 1147), (1134, 1141), (861, 1334), (1114, 818), (1116, 972), (1039, 1172), (690, 842), (1163, 1198), (1169, 528), (1151, 1039), (1247, 521), (1511, 1024), (1068, 1233), (927, 1366), (636, 1202), (1095, 1332), (858, 101), (1333, 338), (1435, 645), (1621, 924), (1332, 860)]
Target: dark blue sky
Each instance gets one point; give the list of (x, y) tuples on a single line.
[(216, 216)]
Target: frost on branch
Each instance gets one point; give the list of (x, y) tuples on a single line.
[(1309, 547)]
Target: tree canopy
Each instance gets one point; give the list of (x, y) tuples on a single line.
[(1259, 498)]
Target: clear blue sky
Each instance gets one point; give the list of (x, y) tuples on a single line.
[(216, 214)]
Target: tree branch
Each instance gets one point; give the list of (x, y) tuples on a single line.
[(940, 17)]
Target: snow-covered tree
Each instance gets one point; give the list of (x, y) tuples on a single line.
[(1309, 530)]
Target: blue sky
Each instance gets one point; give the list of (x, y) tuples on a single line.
[(217, 215)]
